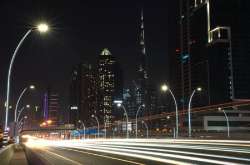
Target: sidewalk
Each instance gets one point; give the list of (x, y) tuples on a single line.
[(18, 156)]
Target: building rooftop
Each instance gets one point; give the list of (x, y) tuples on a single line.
[(105, 52)]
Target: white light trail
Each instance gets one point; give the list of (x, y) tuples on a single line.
[(128, 152), (160, 150)]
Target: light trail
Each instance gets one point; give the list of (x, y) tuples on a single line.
[(182, 152), (146, 153), (62, 157), (137, 156), (181, 146), (104, 156), (160, 150)]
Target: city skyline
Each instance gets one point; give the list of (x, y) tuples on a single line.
[(125, 82), (57, 72)]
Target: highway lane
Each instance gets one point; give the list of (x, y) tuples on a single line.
[(150, 151)]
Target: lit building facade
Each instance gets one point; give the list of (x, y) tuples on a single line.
[(213, 52), (51, 106), (83, 95), (109, 84), (142, 75)]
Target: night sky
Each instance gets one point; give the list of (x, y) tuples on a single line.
[(80, 30)]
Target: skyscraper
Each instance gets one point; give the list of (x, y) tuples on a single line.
[(110, 85), (83, 94), (142, 74), (213, 51), (51, 106)]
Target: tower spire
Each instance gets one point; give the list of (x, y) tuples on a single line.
[(142, 37), (142, 67)]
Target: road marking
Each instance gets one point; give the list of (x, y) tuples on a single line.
[(73, 161), (104, 156), (180, 152), (192, 158), (147, 157)]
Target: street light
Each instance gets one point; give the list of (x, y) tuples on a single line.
[(228, 126), (136, 127), (83, 128), (189, 110), (126, 114), (98, 125), (32, 87), (24, 118), (165, 88), (17, 118), (143, 122), (20, 112), (42, 28)]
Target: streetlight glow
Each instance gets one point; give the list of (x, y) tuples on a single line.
[(199, 89), (164, 87), (42, 27), (28, 106), (32, 87)]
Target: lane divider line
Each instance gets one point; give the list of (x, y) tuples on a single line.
[(60, 156), (147, 157), (104, 156)]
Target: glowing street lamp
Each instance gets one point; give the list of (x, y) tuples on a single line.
[(20, 112), (136, 127), (80, 121), (21, 121), (41, 28), (32, 87), (189, 110), (228, 126), (165, 88), (98, 125), (119, 104)]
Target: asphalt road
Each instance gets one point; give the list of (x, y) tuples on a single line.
[(150, 152)]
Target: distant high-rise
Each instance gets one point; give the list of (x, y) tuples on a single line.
[(83, 94), (110, 85), (214, 51), (51, 106), (142, 74)]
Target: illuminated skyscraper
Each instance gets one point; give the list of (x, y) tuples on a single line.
[(142, 74), (213, 51), (83, 94), (51, 106), (110, 85)]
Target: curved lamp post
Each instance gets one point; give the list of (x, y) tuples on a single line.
[(17, 118), (165, 88), (136, 127), (19, 123), (20, 112), (42, 28), (228, 126), (20, 97), (119, 104), (83, 126), (98, 125), (189, 110)]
